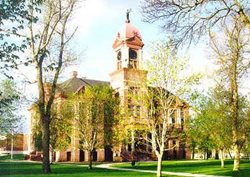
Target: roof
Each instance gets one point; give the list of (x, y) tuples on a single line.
[(75, 84), (128, 31), (128, 34)]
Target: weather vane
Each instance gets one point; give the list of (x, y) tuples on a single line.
[(128, 11)]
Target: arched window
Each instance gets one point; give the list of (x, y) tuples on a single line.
[(119, 55), (132, 54), (132, 59), (119, 61)]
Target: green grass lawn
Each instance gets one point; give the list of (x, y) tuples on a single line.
[(211, 167), (15, 157), (26, 169)]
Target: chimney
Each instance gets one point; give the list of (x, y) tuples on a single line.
[(74, 74)]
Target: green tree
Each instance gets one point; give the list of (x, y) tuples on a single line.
[(231, 54), (47, 40), (246, 148), (60, 127), (208, 128), (167, 85), (9, 97), (13, 13), (95, 113), (190, 20)]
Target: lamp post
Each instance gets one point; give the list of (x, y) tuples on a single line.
[(12, 145)]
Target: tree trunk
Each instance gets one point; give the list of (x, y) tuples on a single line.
[(45, 144), (159, 165), (132, 141), (236, 158), (234, 113), (12, 145), (52, 155), (90, 159), (222, 158), (193, 151), (228, 150)]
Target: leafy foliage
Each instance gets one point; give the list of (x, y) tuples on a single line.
[(207, 129), (60, 126), (47, 41), (12, 43), (169, 84), (95, 114), (9, 96)]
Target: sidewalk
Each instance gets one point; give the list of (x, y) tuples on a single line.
[(108, 166)]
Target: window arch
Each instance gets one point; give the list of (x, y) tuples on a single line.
[(119, 61), (119, 55), (132, 54), (132, 59)]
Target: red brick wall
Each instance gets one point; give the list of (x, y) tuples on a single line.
[(20, 142)]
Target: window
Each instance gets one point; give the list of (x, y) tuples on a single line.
[(119, 61), (182, 118), (132, 54), (133, 93), (174, 142), (130, 110), (171, 117), (138, 109), (119, 55), (134, 107), (134, 111), (178, 116), (132, 59), (117, 94)]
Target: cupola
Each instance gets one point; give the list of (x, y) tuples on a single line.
[(128, 46)]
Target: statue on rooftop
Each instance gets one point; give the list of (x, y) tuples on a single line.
[(128, 11)]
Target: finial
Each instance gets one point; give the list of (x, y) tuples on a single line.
[(128, 11), (74, 74)]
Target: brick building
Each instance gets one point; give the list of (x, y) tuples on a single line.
[(127, 76), (19, 142)]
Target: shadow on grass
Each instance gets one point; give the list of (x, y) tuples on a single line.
[(10, 168), (15, 157), (242, 173)]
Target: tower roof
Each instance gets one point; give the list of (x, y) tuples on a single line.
[(128, 31), (128, 34)]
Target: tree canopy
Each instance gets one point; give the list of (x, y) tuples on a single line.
[(9, 97), (95, 113), (188, 21)]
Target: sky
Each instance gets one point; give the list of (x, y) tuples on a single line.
[(98, 22)]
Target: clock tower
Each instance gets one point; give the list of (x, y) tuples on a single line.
[(128, 57), (127, 79)]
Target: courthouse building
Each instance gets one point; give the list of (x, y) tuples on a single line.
[(128, 75)]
